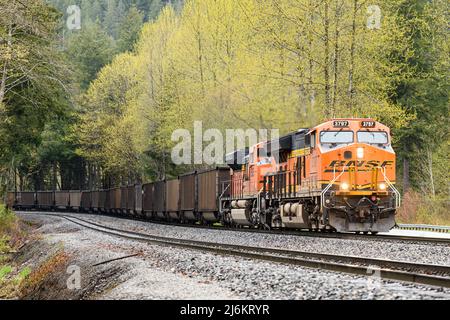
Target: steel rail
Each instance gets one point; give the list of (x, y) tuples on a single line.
[(424, 227), (300, 233), (428, 274)]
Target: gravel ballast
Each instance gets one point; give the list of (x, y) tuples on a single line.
[(418, 252), (163, 272)]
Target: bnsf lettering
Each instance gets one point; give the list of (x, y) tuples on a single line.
[(387, 163), (372, 163), (360, 164)]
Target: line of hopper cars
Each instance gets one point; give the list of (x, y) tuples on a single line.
[(191, 197)]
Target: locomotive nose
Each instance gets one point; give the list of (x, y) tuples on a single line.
[(364, 167)]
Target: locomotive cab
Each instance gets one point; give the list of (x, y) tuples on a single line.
[(358, 173)]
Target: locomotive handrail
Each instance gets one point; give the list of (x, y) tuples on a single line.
[(391, 185), (221, 196), (225, 190), (258, 200), (322, 196)]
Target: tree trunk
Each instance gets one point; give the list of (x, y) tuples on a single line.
[(430, 172), (336, 56), (351, 89), (5, 68), (54, 175), (312, 94), (89, 183), (405, 175), (328, 110), (200, 56)]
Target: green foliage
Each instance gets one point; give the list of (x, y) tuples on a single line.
[(8, 221), (11, 280), (4, 271), (425, 94), (22, 275), (36, 87), (9, 229), (129, 29), (241, 64), (88, 51), (419, 208)]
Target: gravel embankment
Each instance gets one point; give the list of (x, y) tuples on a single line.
[(161, 272), (381, 249)]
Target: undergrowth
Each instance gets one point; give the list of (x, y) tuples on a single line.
[(420, 209)]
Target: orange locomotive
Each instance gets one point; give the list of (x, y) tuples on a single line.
[(338, 176)]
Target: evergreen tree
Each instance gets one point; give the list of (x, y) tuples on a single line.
[(111, 18), (129, 29), (88, 51)]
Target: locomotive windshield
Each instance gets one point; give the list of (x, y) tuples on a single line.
[(371, 137), (336, 137)]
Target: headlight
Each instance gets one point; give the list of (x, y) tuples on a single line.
[(360, 153), (382, 186), (344, 186)]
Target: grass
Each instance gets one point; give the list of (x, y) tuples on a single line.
[(10, 231), (4, 271), (419, 209), (11, 235)]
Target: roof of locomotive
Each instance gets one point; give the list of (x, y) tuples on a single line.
[(352, 123)]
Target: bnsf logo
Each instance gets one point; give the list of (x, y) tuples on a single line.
[(359, 164)]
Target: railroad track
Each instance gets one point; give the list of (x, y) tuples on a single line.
[(424, 227), (428, 274), (351, 236), (301, 233)]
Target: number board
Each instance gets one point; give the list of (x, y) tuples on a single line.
[(368, 124), (340, 124)]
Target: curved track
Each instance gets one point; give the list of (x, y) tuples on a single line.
[(428, 274), (302, 233), (351, 236)]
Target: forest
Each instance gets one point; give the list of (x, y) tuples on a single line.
[(95, 104)]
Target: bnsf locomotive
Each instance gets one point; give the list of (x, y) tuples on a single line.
[(338, 176)]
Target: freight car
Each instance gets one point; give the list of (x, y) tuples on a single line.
[(45, 200), (338, 176), (62, 200), (75, 200)]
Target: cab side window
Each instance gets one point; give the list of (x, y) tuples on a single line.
[(246, 168), (313, 140), (310, 140)]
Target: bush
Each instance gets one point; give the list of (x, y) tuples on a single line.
[(10, 231), (12, 277), (422, 209)]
